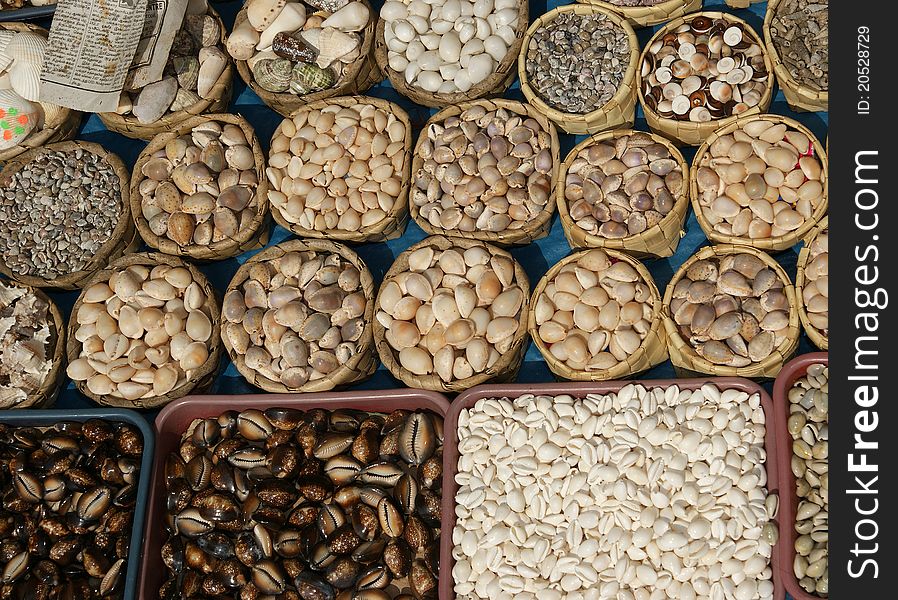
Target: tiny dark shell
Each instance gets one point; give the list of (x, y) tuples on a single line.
[(191, 583), (430, 507), (398, 557), (196, 559), (318, 418), (382, 473), (372, 594), (288, 543), (293, 567), (287, 419), (390, 518), (95, 564), (128, 440), (227, 421), (218, 507), (375, 577), (231, 574), (346, 420), (365, 522), (217, 545), (369, 552), (344, 540), (342, 573), (277, 493), (342, 469), (309, 467), (366, 445), (432, 557), (348, 496), (97, 430), (304, 514), (62, 552), (213, 585), (307, 438), (175, 467), (332, 444), (321, 556), (431, 471), (389, 444), (417, 534), (46, 572), (330, 518), (422, 581), (394, 420), (269, 577), (207, 433), (278, 438), (247, 550), (311, 586), (284, 461), (316, 488), (227, 447), (253, 425), (222, 477), (406, 493)]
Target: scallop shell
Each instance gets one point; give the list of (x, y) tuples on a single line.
[(25, 79), (27, 47), (333, 44), (5, 36), (273, 75), (309, 78), (204, 29), (18, 118), (53, 113)]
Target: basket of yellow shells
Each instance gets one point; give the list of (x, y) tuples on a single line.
[(731, 311), (796, 34), (354, 189), (198, 79), (596, 315), (760, 181), (485, 170), (444, 52), (812, 285), (297, 318), (644, 13), (32, 334), (292, 53), (200, 190), (701, 71), (25, 122), (624, 190), (451, 314), (144, 331)]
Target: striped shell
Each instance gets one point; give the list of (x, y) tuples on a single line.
[(310, 78), (273, 75), (27, 47), (25, 79)]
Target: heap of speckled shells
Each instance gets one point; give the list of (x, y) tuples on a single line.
[(451, 314), (597, 315), (812, 285), (298, 317), (196, 191)]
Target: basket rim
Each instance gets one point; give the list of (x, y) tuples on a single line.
[(804, 257), (227, 247), (774, 244), (624, 90), (509, 236), (374, 231), (782, 73)]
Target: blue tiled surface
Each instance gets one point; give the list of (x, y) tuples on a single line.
[(536, 257)]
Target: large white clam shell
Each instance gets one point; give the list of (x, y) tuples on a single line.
[(26, 47), (25, 79)]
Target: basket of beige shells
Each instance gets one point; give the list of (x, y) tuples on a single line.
[(596, 315), (447, 52), (32, 338), (451, 314), (624, 190), (297, 318), (144, 331), (731, 311), (812, 285), (356, 188), (645, 13), (292, 53), (200, 190), (26, 122), (198, 79), (701, 71), (64, 214), (486, 170), (760, 181), (796, 34)]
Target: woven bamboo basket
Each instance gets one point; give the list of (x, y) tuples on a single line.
[(688, 133), (652, 351), (532, 230), (201, 379), (357, 78), (359, 367), (60, 125), (217, 102), (249, 238), (646, 16), (767, 244), (124, 238), (799, 97), (506, 367), (618, 112), (46, 394), (393, 225), (492, 86), (819, 339), (688, 363), (660, 240)]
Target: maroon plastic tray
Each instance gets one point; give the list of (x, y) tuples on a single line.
[(579, 390), (175, 417), (792, 372)]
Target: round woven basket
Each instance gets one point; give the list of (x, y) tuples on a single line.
[(688, 363), (645, 16), (775, 244), (217, 102), (689, 133), (393, 225), (618, 112), (651, 352), (359, 75), (799, 97), (359, 367), (45, 396), (816, 336), (661, 240), (124, 238), (201, 379), (62, 124), (532, 230), (506, 367), (249, 238), (494, 85)]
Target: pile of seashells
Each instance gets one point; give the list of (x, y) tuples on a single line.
[(195, 64), (289, 48), (25, 329)]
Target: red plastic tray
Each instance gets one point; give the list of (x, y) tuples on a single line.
[(792, 371), (579, 390), (174, 419)]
